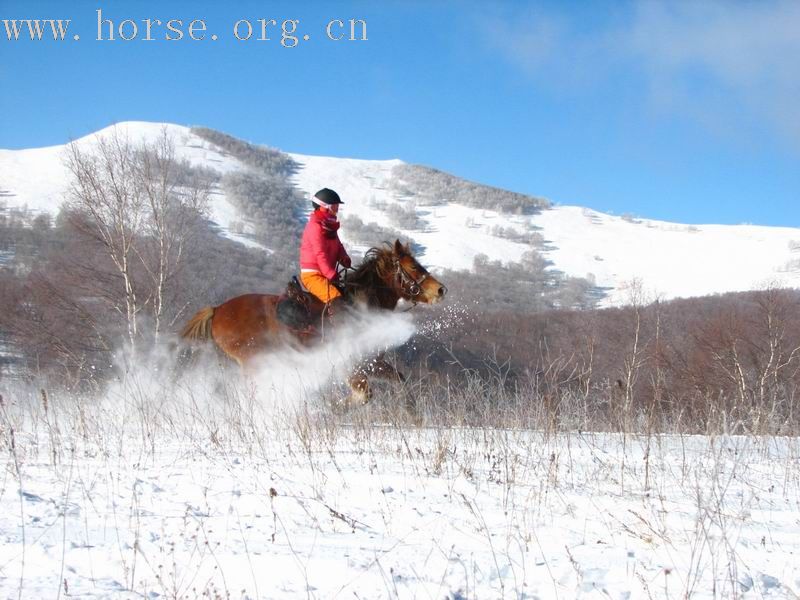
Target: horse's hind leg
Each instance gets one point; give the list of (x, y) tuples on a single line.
[(360, 391), (381, 368)]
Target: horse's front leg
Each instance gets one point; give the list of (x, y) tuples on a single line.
[(381, 368), (360, 391)]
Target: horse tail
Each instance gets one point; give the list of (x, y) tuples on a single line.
[(199, 326)]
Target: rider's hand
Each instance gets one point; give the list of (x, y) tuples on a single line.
[(346, 262)]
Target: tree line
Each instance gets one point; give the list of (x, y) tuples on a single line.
[(727, 363), (431, 187)]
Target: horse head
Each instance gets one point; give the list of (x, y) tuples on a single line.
[(389, 273), (411, 280)]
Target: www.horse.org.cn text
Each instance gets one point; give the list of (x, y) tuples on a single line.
[(288, 33)]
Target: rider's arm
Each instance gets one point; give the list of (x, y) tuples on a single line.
[(344, 258)]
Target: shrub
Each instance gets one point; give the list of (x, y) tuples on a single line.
[(430, 186)]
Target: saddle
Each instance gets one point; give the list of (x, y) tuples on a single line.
[(299, 310)]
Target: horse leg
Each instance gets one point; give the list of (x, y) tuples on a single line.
[(359, 380), (381, 368)]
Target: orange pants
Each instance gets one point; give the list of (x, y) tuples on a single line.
[(317, 284)]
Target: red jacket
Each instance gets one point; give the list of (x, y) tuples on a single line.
[(320, 249)]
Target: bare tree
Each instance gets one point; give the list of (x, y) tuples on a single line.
[(174, 207), (135, 200), (104, 187)]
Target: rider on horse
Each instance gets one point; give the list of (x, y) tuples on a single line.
[(321, 250)]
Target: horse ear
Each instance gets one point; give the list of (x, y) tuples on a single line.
[(399, 250)]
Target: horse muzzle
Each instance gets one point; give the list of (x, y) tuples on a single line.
[(438, 295)]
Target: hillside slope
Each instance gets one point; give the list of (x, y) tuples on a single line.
[(667, 259)]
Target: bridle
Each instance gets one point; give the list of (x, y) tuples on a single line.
[(412, 287)]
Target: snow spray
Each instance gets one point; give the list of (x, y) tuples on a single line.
[(290, 375)]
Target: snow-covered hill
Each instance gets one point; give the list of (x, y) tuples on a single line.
[(666, 259)]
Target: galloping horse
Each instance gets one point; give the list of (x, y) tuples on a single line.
[(245, 326)]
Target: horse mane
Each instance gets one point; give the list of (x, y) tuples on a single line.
[(373, 274), (378, 261)]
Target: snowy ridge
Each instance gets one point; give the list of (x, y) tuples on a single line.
[(666, 259), (669, 259), (36, 179)]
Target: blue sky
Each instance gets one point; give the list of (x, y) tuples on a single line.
[(683, 111)]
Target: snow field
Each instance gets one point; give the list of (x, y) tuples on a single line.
[(210, 486)]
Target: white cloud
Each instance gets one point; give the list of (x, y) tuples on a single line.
[(723, 63)]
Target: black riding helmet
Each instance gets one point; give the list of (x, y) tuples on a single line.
[(327, 196)]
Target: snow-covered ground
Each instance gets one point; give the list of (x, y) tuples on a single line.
[(146, 496), (200, 483), (665, 260)]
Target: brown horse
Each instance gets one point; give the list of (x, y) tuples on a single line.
[(246, 326)]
